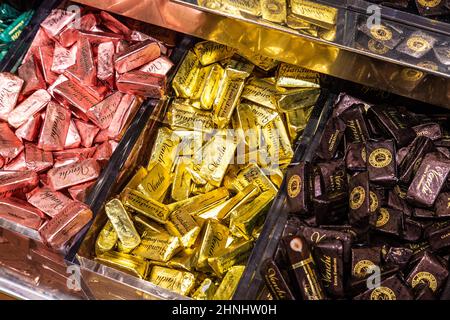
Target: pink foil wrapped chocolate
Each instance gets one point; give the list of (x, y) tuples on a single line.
[(73, 174), (55, 128), (137, 55), (36, 159), (103, 112), (56, 21), (30, 129), (10, 145), (17, 181), (10, 86), (21, 212), (48, 201), (28, 108)]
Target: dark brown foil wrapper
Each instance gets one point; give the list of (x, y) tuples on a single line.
[(331, 138), (355, 157), (356, 127), (393, 123), (390, 289), (328, 255), (330, 208), (398, 256), (304, 268), (389, 221), (359, 201), (429, 130), (440, 238), (315, 235), (412, 160), (429, 270), (333, 176), (381, 162), (297, 177), (442, 205), (275, 282), (362, 259), (429, 180)]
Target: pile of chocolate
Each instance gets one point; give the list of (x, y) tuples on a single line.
[(77, 90), (370, 215), (436, 9)]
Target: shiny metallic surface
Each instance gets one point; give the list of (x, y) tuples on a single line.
[(341, 60)]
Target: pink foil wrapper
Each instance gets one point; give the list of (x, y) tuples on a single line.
[(48, 201), (73, 174), (137, 55), (142, 83), (10, 86), (45, 57), (70, 35), (56, 21), (2, 162), (17, 164), (103, 112), (98, 37), (65, 162), (105, 69), (127, 108), (36, 159), (76, 95), (73, 138), (28, 108), (161, 66), (30, 129), (79, 192), (66, 224), (17, 181), (114, 25), (87, 132), (82, 153), (63, 58), (41, 39), (10, 145), (104, 152), (55, 128), (21, 212), (102, 136), (85, 65)]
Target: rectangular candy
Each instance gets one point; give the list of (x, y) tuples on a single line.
[(10, 86), (29, 107), (21, 212), (55, 128), (73, 174), (137, 55)]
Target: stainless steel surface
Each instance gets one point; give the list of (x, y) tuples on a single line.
[(333, 59)]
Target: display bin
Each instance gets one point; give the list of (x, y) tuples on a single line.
[(252, 285), (134, 127)]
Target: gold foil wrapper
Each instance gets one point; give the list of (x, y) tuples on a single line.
[(211, 87), (183, 116), (181, 186), (234, 254), (145, 225), (183, 225), (156, 183), (261, 92), (164, 149), (186, 77), (184, 260), (228, 286), (129, 263), (158, 247), (251, 7), (145, 205), (291, 76), (315, 13), (140, 174), (205, 291), (210, 52), (244, 218), (274, 10), (298, 98), (213, 241), (244, 196), (107, 238), (262, 62), (122, 224), (181, 282), (228, 96)]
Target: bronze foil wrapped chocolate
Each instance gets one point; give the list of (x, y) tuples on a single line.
[(428, 270), (363, 259), (390, 289), (356, 156)]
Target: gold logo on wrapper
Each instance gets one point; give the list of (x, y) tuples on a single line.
[(380, 32), (377, 47), (429, 3), (360, 269), (411, 74), (382, 293), (357, 197), (294, 186), (425, 277), (383, 217), (380, 158), (418, 44), (373, 201)]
